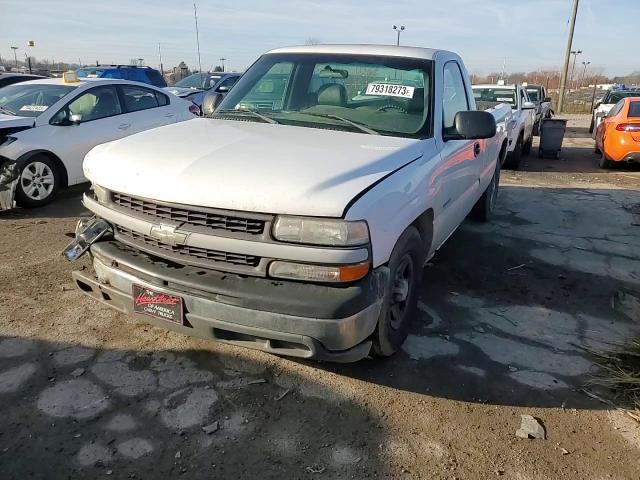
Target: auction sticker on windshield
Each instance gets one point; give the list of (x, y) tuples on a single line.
[(390, 90), (33, 108)]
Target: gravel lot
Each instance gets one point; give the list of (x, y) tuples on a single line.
[(507, 307)]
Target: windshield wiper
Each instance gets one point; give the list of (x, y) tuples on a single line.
[(7, 111), (262, 117), (359, 126)]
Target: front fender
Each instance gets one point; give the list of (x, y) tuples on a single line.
[(9, 175)]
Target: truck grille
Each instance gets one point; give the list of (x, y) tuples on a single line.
[(185, 251), (181, 213)]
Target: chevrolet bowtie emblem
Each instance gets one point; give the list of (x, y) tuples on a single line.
[(168, 235)]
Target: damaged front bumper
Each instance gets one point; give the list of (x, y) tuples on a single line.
[(9, 175)]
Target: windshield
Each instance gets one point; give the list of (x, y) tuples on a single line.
[(495, 95), (614, 97), (30, 100), (534, 94), (359, 93), (198, 80), (89, 72)]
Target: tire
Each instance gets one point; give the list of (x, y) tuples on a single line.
[(38, 183), (513, 160), (401, 294), (526, 148), (483, 209), (605, 163)]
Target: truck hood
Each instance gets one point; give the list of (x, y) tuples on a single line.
[(10, 121), (248, 166)]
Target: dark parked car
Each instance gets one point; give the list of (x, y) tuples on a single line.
[(11, 78), (194, 87), (125, 72)]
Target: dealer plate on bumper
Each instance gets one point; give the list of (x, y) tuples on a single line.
[(148, 301)]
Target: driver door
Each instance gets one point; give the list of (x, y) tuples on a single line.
[(93, 117)]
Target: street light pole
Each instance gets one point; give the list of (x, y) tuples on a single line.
[(567, 55), (195, 14), (584, 72), (575, 54), (15, 55), (399, 29)]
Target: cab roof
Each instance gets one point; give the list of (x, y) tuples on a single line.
[(355, 49), (495, 85)]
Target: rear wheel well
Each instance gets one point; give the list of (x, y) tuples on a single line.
[(424, 225), (64, 177)]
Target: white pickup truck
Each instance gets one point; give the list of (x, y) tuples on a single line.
[(296, 219), (524, 117)]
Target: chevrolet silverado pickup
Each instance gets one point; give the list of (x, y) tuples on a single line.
[(521, 128), (296, 218)]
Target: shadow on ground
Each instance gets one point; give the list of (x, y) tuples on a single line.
[(87, 413), (509, 307), (68, 204)]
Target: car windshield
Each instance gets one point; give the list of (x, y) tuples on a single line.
[(198, 80), (614, 97), (534, 94), (495, 95), (89, 72), (30, 100), (357, 93)]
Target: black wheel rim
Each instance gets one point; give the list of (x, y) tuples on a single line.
[(400, 292)]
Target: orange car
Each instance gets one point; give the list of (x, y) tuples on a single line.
[(618, 135)]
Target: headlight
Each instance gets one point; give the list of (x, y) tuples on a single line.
[(318, 273), (102, 194), (8, 141), (321, 231)]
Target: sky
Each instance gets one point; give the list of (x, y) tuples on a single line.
[(523, 34)]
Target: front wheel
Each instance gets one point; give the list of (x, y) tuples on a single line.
[(38, 183), (483, 209), (401, 294), (513, 160)]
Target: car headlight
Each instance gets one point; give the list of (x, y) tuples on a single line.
[(8, 140), (319, 273), (321, 231), (102, 194)]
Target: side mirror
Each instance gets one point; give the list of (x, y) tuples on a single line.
[(547, 99), (210, 102), (222, 89), (472, 125), (528, 106)]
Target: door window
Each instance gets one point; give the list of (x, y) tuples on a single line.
[(140, 98), (99, 102), (454, 95)]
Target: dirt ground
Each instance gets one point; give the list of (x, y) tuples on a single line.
[(506, 310)]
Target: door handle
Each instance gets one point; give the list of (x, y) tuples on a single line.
[(170, 115), (476, 149), (124, 126)]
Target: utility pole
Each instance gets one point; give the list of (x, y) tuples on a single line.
[(222, 60), (160, 55), (567, 55), (15, 55), (399, 29), (195, 14)]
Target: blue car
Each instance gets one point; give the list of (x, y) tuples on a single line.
[(195, 87), (124, 72)]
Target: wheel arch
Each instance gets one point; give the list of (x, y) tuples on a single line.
[(64, 176), (424, 225)]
